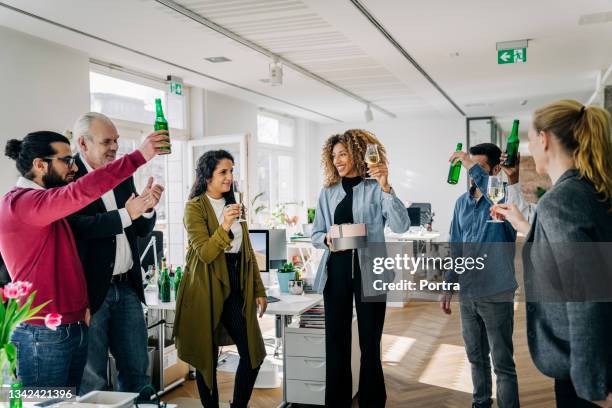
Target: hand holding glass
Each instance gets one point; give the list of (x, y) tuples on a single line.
[(495, 191), (372, 156), (239, 196)]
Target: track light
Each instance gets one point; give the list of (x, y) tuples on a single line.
[(276, 72), (369, 116)]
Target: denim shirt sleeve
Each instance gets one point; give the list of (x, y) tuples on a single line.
[(481, 178), (394, 212), (319, 228), (515, 196)]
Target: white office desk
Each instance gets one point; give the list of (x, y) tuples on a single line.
[(289, 305)]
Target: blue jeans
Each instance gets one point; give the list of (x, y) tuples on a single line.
[(51, 358), (119, 324), (487, 325)]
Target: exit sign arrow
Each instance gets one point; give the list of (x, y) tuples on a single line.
[(512, 56)]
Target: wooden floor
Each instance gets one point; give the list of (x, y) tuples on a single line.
[(424, 363)]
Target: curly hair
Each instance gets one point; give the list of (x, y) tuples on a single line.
[(356, 142)]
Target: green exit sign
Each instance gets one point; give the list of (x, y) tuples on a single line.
[(512, 56), (176, 89)]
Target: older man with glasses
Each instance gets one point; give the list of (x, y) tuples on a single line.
[(106, 233)]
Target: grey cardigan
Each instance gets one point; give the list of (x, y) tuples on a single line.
[(569, 326)]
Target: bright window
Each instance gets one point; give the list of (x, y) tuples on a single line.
[(276, 160), (275, 130), (126, 100)]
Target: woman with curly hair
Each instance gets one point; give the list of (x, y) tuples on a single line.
[(349, 197)]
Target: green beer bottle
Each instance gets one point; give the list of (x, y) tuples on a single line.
[(512, 146), (455, 168), (165, 286), (161, 123), (177, 281)]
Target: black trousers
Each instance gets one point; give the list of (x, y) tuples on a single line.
[(235, 324), (566, 396), (338, 295)]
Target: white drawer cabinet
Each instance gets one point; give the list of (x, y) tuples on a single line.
[(306, 392), (305, 360), (306, 368), (305, 344)]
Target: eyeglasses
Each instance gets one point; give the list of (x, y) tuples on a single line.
[(68, 160)]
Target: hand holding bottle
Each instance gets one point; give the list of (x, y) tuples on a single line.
[(511, 171), (464, 157), (154, 144)]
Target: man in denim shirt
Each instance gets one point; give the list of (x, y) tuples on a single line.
[(486, 296)]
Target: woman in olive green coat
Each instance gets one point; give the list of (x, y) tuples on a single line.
[(222, 288)]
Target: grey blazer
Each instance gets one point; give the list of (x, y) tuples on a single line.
[(568, 284)]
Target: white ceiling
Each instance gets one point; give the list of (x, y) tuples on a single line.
[(335, 41)]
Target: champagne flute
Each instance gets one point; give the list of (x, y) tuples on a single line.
[(495, 191), (238, 197), (372, 156)]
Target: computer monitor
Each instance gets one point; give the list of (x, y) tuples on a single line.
[(260, 240), (415, 216), (426, 212)]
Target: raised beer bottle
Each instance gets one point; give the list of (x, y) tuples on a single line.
[(161, 123), (512, 146), (455, 168)]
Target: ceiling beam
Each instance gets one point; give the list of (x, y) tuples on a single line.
[(404, 53)]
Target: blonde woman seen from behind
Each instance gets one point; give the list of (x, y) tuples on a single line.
[(568, 272)]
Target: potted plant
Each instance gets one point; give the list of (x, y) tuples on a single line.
[(296, 286), (285, 274), (15, 308)]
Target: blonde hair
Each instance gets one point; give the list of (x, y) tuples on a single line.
[(355, 141), (584, 131)]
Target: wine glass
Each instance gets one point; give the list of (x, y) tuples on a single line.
[(238, 197), (495, 191), (372, 156)]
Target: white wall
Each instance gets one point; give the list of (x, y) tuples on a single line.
[(418, 150), (45, 86)]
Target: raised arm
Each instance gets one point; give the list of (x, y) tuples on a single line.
[(394, 212), (43, 207)]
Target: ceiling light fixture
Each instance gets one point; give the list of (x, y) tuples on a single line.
[(369, 115), (276, 73), (216, 60)]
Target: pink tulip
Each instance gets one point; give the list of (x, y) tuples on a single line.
[(12, 290), (24, 287), (52, 320)]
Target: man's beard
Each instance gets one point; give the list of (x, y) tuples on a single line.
[(52, 179)]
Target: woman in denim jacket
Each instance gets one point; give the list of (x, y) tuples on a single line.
[(347, 198)]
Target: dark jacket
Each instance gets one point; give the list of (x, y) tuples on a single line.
[(95, 229), (568, 284)]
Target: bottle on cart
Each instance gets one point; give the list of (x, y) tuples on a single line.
[(177, 281), (165, 286)]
